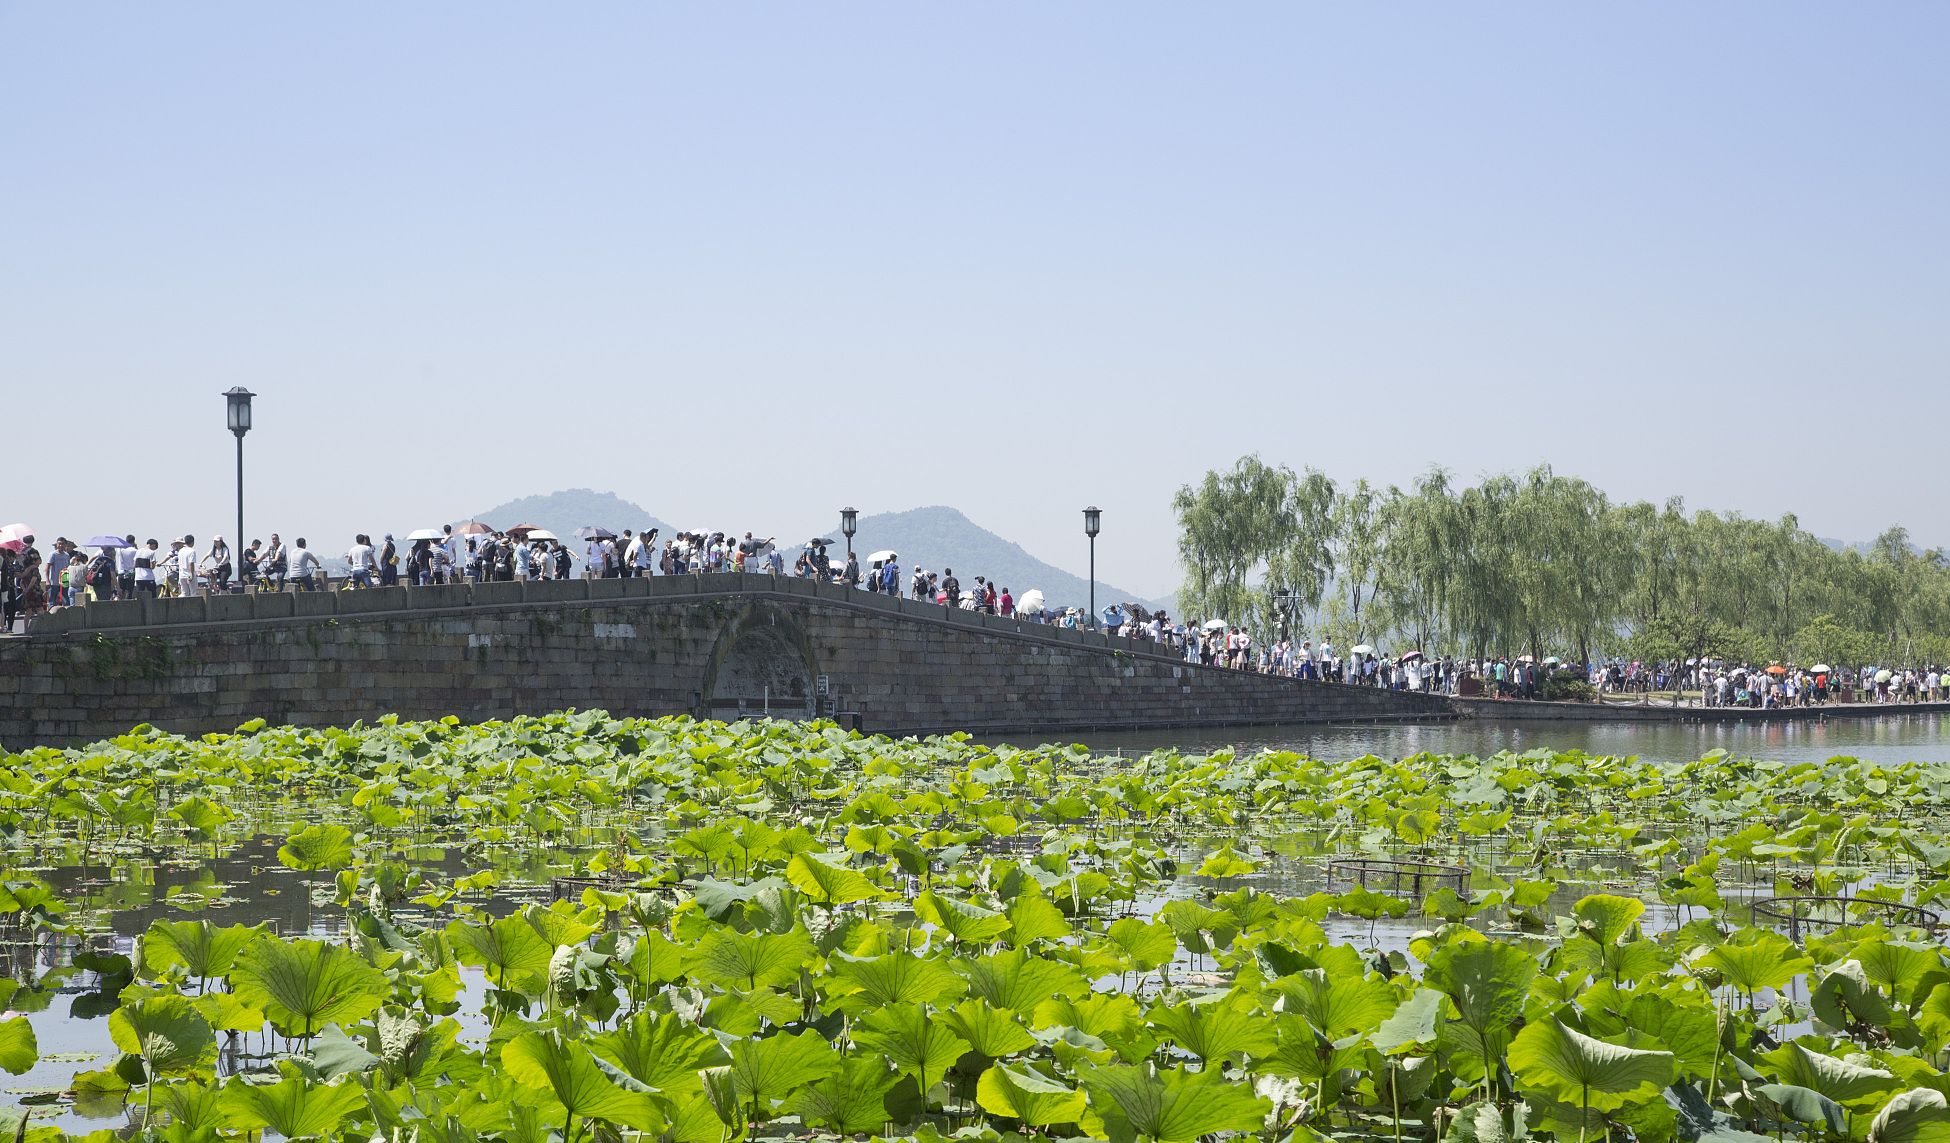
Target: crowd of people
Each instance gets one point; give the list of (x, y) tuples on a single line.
[(112, 567)]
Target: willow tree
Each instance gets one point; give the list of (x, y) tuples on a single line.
[(1538, 562), (1426, 532), (1359, 533), (1230, 524)]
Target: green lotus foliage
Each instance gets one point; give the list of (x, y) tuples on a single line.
[(780, 929), (18, 1049), (304, 985)]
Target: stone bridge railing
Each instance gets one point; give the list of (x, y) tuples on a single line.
[(712, 645)]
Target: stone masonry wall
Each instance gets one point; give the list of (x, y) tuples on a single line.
[(633, 647)]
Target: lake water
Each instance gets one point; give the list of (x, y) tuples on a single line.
[(1921, 738)]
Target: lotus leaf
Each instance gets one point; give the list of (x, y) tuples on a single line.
[(322, 846), (294, 1107), (1028, 1095), (1577, 1069), (567, 1073), (304, 985), (1171, 1105), (918, 1045), (18, 1049), (854, 1099)]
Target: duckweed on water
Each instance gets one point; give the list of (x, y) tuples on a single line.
[(580, 928)]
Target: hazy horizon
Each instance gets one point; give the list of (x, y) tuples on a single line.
[(754, 264)]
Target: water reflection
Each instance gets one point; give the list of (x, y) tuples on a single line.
[(1889, 739)]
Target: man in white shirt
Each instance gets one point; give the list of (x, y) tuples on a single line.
[(186, 559), (359, 556), (145, 569), (125, 569), (304, 566)]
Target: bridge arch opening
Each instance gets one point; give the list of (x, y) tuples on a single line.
[(763, 667)]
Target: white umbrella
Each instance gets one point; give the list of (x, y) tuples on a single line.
[(541, 534), (1820, 668), (882, 557), (16, 531), (1031, 602), (1363, 649), (1215, 625), (425, 534)]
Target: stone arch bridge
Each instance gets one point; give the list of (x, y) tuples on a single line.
[(725, 646)]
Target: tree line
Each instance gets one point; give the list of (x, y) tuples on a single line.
[(1545, 564)]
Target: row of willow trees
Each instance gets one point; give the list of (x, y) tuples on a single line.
[(1545, 564)]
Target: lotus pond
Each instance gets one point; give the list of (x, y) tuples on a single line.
[(578, 928)]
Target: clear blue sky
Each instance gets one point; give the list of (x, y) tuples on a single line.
[(748, 263)]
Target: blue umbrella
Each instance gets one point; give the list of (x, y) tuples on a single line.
[(108, 542)]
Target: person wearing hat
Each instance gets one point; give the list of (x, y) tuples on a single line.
[(388, 562), (220, 569), (186, 567)]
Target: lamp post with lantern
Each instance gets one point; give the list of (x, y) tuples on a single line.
[(1092, 522), (238, 417), (849, 524)]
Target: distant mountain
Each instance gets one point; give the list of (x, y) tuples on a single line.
[(933, 538), (1863, 546), (941, 537), (563, 512)]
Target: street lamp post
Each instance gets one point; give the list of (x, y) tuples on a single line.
[(1092, 520), (849, 524), (238, 415)]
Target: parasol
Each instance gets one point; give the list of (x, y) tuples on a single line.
[(16, 531), (592, 532), (425, 534), (1031, 602), (473, 528), (1777, 670), (1361, 649), (1411, 655), (1821, 668), (520, 530), (883, 557), (108, 542), (540, 534), (1215, 625)]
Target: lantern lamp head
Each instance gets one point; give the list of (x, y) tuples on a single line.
[(239, 409)]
